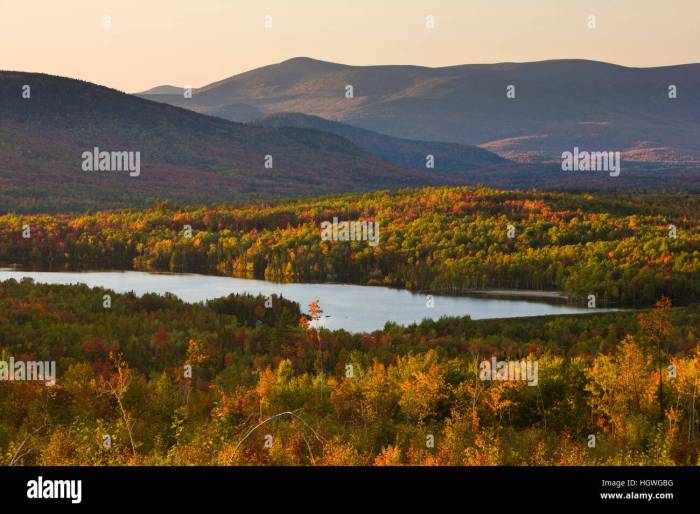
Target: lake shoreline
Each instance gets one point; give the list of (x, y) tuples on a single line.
[(557, 297), (356, 308)]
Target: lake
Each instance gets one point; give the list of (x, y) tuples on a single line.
[(350, 307)]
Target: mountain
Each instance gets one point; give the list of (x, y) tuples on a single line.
[(449, 158), (165, 90), (184, 156), (558, 104)]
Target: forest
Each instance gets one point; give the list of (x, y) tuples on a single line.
[(627, 250), (246, 381)]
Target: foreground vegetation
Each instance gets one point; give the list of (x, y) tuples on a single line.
[(621, 249), (281, 392)]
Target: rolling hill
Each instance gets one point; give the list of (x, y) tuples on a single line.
[(185, 156), (558, 104), (449, 158)]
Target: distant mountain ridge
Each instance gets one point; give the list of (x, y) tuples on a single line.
[(193, 158), (558, 104), (447, 158)]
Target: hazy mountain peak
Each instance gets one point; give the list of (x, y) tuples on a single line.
[(164, 90), (302, 60)]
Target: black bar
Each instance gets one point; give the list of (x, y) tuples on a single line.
[(330, 488)]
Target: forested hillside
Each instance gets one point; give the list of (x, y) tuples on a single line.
[(449, 158), (184, 156), (627, 250)]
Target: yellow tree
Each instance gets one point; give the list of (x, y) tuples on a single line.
[(656, 325), (621, 385)]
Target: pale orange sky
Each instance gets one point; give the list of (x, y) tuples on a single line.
[(196, 42)]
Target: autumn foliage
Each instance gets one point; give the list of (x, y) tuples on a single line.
[(122, 374), (446, 240)]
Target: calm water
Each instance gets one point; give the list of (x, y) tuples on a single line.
[(353, 308)]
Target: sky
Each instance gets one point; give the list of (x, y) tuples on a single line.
[(196, 42)]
